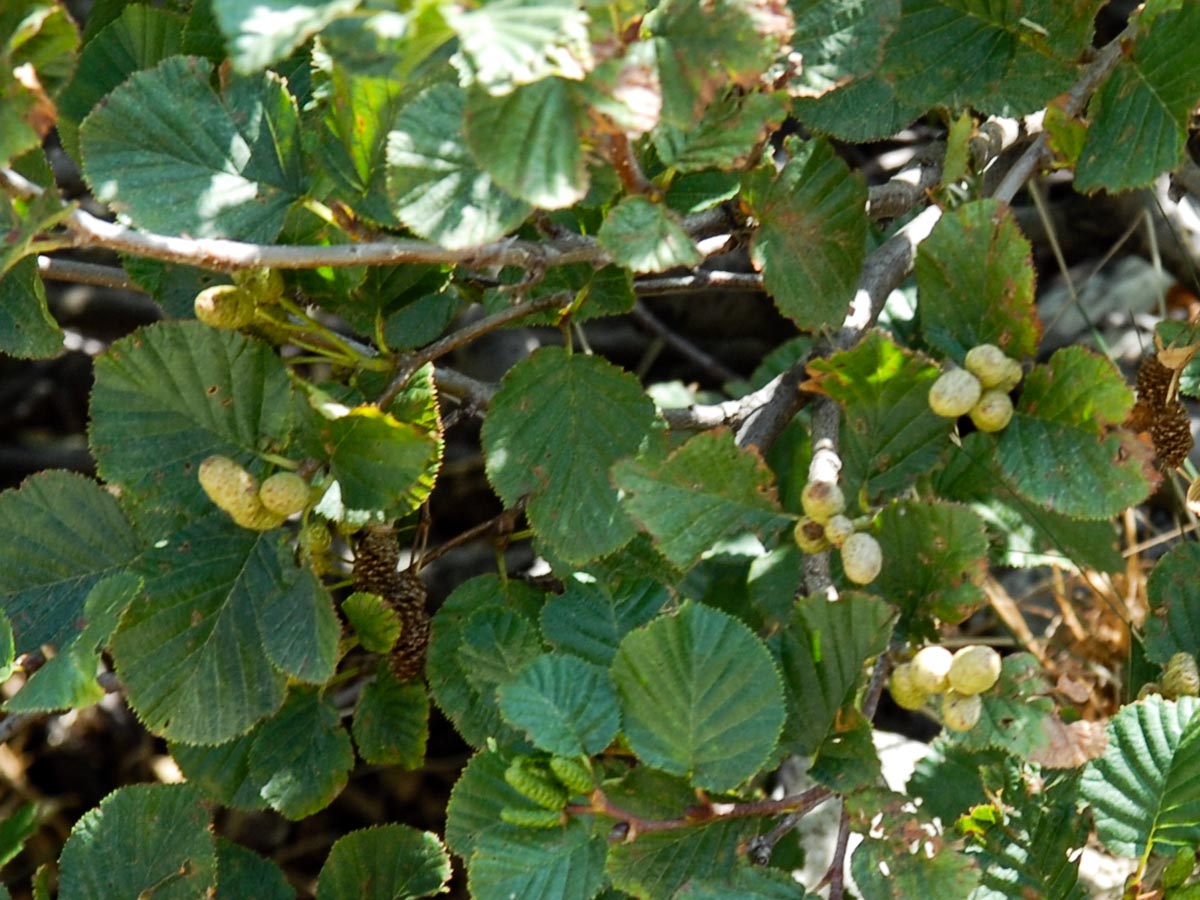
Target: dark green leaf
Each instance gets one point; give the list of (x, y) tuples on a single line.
[(142, 840), (647, 237), (15, 829), (435, 186), (839, 40), (746, 883), (886, 870), (496, 644), (387, 862), (568, 707), (730, 131), (1140, 115), (700, 697), (243, 873), (27, 330), (190, 651), (1145, 790), (68, 679), (173, 394), (176, 157), (949, 778), (302, 756), (889, 435), (589, 621), (264, 32), (821, 653), (934, 559), (706, 491), (223, 771), (1066, 469), (556, 426), (1077, 387), (391, 721), (1174, 596), (374, 621), (544, 864), (63, 534), (658, 864), (812, 233), (476, 801), (473, 712), (975, 280), (528, 141), (141, 37)]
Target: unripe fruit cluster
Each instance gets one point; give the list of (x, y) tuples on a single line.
[(232, 306), (259, 508), (823, 525), (979, 390), (961, 678)]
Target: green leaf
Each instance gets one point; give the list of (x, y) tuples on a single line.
[(15, 829), (1174, 596), (975, 282), (554, 429), (839, 40), (889, 435), (261, 33), (707, 490), (746, 883), (63, 534), (374, 621), (544, 864), (1015, 712), (821, 653), (568, 707), (38, 43), (496, 645), (529, 142), (476, 800), (647, 237), (387, 862), (474, 712), (657, 865), (589, 621), (173, 394), (949, 779), (246, 874), (174, 288), (1005, 60), (700, 697), (1077, 387), (886, 870), (68, 679), (704, 48), (142, 840), (302, 755), (506, 43), (27, 330), (934, 560), (812, 233), (1030, 853), (1140, 115), (435, 186), (223, 771), (141, 37), (865, 109), (176, 157), (382, 466), (1066, 469), (391, 721), (190, 651), (359, 113), (727, 135), (1143, 791), (1031, 536)]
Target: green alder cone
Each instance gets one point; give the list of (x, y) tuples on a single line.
[(224, 306)]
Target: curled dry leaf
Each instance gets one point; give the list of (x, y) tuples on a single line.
[(1070, 746)]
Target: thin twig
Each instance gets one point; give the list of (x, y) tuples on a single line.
[(796, 804), (701, 280), (409, 363), (835, 877), (710, 364), (54, 269), (504, 523)]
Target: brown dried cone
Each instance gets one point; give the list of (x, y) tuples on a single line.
[(376, 569), (1161, 414), (1171, 432)]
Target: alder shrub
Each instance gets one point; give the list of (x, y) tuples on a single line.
[(313, 192)]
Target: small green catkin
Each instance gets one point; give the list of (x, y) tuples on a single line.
[(535, 786), (572, 773), (531, 818)]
